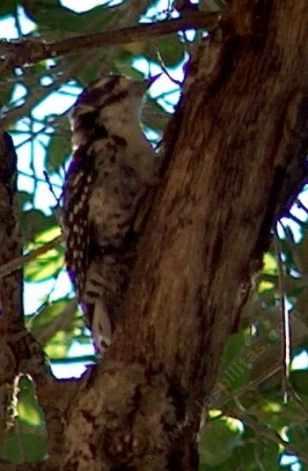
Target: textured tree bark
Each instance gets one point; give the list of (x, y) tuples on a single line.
[(19, 351), (10, 286), (235, 156)]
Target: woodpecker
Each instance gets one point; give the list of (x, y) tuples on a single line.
[(112, 167)]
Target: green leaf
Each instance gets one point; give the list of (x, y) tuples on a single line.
[(24, 444), (49, 263), (267, 453), (233, 348), (33, 222), (59, 345), (59, 148), (218, 440), (297, 435), (299, 380), (54, 18), (47, 316), (8, 7), (90, 70), (6, 90), (243, 458), (171, 50), (28, 408), (44, 267), (123, 61), (23, 197), (235, 369)]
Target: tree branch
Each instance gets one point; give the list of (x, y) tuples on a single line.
[(19, 262), (265, 431), (19, 350), (229, 153), (30, 51)]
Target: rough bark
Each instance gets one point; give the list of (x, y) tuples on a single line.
[(235, 156), (19, 351)]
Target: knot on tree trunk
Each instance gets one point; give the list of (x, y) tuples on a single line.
[(129, 418)]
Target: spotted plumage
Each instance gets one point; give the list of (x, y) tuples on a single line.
[(112, 166)]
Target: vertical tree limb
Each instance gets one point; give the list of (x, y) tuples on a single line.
[(19, 351), (10, 287), (235, 156)]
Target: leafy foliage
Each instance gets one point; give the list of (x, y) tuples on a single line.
[(35, 103), (26, 440)]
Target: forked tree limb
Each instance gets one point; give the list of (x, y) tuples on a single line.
[(235, 155), (17, 263)]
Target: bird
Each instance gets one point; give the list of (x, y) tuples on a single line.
[(112, 167)]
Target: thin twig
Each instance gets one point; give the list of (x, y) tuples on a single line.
[(35, 97), (50, 187), (162, 64), (34, 177), (30, 51), (266, 432), (296, 219), (63, 322), (298, 400), (19, 262), (301, 205), (285, 324)]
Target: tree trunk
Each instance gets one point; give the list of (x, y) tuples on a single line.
[(235, 155)]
